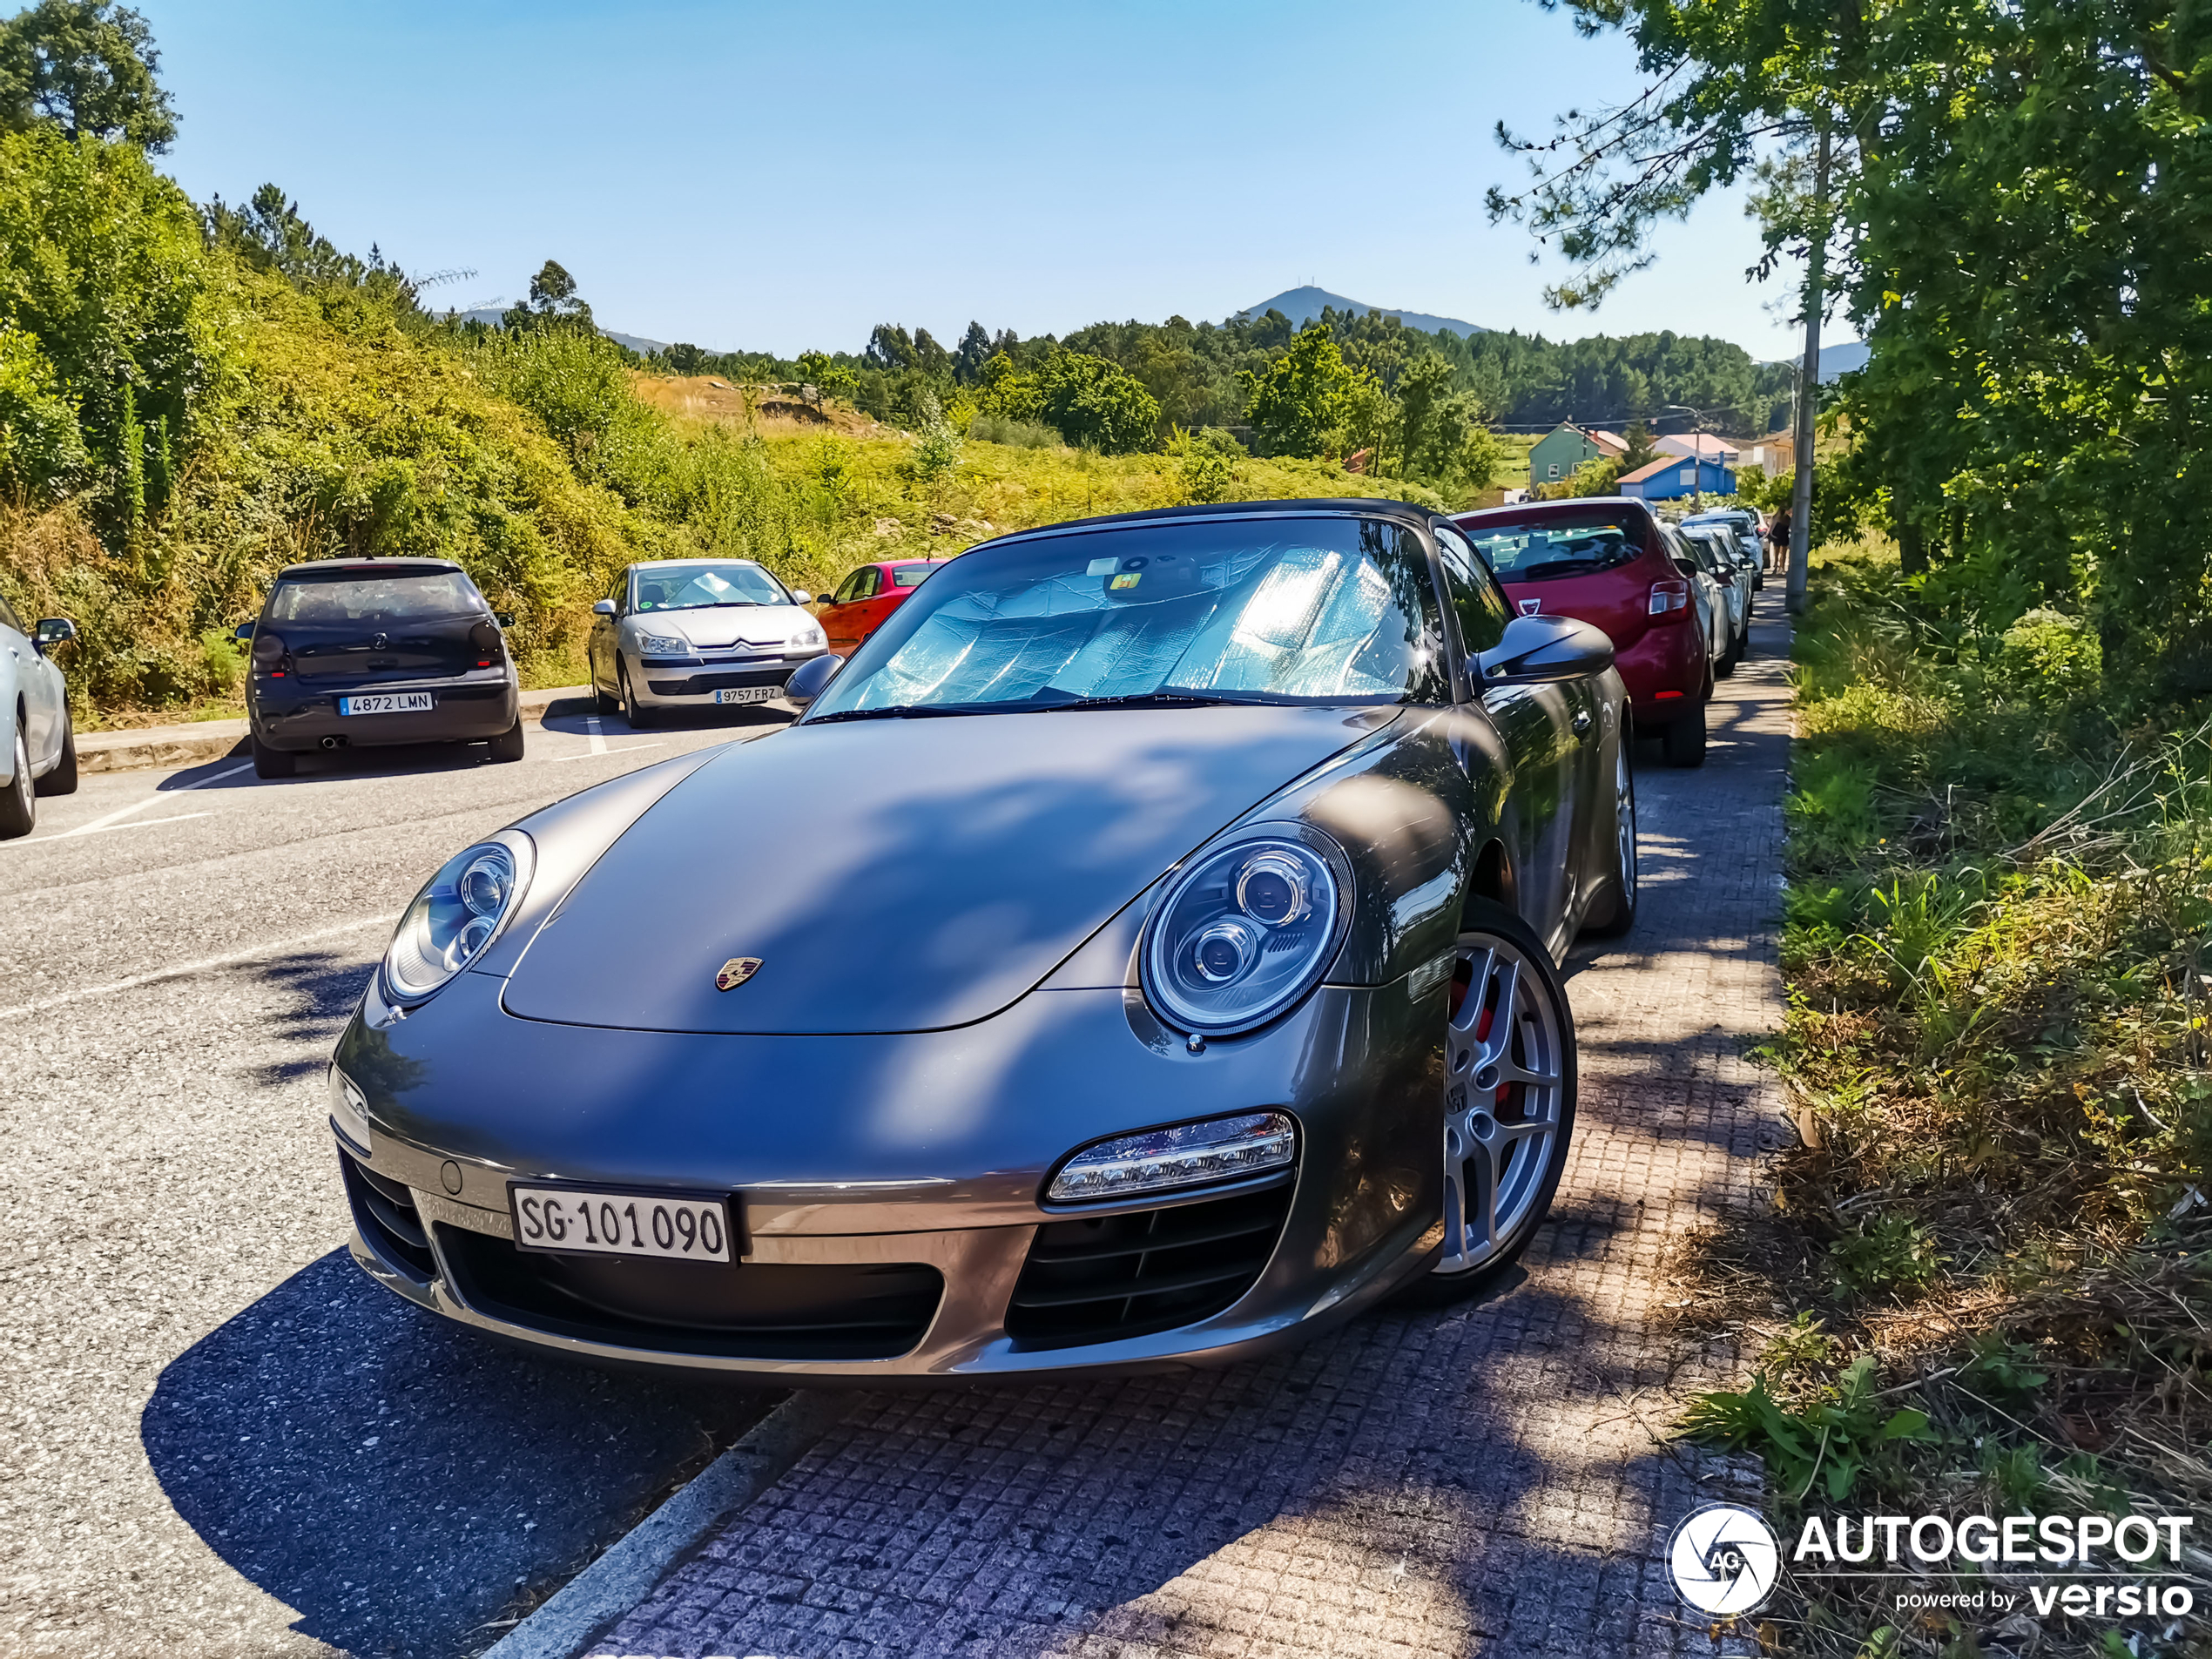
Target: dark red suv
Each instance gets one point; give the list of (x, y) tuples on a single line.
[(1602, 560)]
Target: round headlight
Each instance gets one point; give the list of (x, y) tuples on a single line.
[(1242, 934), (454, 919)]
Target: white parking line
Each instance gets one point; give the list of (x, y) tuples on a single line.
[(182, 969), (593, 754), (599, 743), (104, 829), (153, 800)]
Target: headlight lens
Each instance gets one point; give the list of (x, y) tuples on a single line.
[(1223, 1149), (812, 634), (1242, 934), (663, 646), (457, 915)]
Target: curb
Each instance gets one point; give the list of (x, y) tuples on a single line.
[(191, 745), (625, 1574)]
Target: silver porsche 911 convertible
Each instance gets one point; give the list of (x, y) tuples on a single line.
[(1142, 952)]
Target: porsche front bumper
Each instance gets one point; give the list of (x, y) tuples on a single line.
[(951, 1242)]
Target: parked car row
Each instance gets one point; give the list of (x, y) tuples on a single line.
[(1675, 600), (1144, 950)]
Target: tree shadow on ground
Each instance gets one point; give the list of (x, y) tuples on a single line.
[(398, 1480)]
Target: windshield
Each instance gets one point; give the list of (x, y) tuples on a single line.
[(1275, 610), (1549, 548), (375, 598), (695, 587)]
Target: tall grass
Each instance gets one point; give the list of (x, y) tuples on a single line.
[(2000, 905)]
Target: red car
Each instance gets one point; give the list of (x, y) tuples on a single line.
[(1604, 560), (867, 597)]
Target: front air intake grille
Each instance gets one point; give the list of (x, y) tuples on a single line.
[(1103, 1278), (753, 1311), (384, 1212), (728, 680)]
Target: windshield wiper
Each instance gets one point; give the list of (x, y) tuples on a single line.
[(1552, 568), (910, 712), (1141, 700)]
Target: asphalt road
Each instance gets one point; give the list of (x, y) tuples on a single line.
[(220, 1438)]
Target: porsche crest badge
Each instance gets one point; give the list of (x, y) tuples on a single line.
[(735, 972)]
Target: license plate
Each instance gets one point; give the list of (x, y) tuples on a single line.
[(747, 694), (583, 1221), (389, 703)]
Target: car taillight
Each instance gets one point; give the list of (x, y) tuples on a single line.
[(270, 656), (1669, 596)]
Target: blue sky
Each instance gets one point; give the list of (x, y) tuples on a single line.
[(775, 176)]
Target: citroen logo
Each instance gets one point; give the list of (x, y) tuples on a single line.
[(735, 972)]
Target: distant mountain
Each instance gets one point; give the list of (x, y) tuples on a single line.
[(490, 314), (1841, 360), (1302, 306)]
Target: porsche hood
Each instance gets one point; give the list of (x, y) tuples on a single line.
[(898, 875)]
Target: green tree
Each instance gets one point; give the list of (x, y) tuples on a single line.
[(88, 67), (1642, 450), (1094, 405), (826, 374), (554, 303), (1298, 404)]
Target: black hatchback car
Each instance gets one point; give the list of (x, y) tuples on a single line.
[(356, 652)]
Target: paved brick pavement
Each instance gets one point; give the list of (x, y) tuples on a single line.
[(1479, 1480)]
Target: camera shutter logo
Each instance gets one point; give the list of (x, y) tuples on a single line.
[(1724, 1560)]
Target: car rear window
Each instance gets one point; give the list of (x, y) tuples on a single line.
[(909, 576), (375, 598), (1543, 548)]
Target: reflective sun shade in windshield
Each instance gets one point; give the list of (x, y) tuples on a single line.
[(1549, 548), (375, 598), (691, 587), (1289, 609)]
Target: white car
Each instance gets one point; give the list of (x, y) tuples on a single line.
[(42, 745), (697, 633)]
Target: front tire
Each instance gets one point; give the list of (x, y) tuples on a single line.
[(1624, 848), (18, 801), (1509, 1105), (638, 717), (62, 780), (1683, 740)]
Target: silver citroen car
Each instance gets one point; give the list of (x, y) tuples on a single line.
[(696, 633)]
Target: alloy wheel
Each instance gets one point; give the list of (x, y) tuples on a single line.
[(1624, 823), (1502, 1094)]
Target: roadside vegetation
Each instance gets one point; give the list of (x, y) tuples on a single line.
[(1989, 1269)]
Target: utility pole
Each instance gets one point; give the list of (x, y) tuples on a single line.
[(1809, 380)]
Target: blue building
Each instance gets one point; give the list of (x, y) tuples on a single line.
[(1671, 477)]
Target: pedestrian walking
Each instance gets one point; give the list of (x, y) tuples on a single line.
[(1777, 541)]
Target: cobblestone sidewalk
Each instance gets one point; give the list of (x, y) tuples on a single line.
[(1481, 1480)]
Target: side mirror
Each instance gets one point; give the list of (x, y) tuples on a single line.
[(504, 618), (604, 608), (243, 632), (1537, 650), (52, 630), (811, 679), (1688, 567), (800, 597)]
